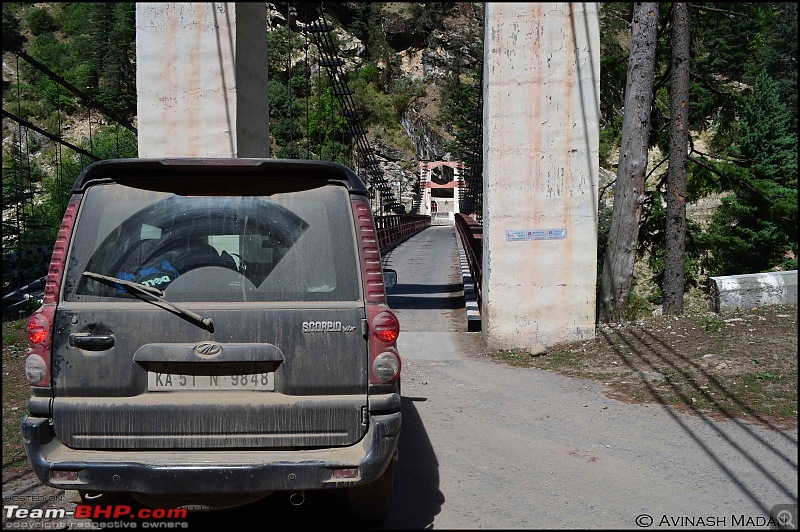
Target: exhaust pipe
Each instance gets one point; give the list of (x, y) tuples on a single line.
[(297, 498)]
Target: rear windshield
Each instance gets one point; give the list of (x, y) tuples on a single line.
[(297, 245)]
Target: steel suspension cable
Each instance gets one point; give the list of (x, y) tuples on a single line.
[(373, 175), (308, 86)]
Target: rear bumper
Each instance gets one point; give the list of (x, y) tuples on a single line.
[(188, 472)]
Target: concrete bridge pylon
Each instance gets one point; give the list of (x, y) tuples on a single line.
[(541, 89), (201, 77)]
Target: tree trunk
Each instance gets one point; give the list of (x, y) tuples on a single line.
[(615, 280), (674, 283)]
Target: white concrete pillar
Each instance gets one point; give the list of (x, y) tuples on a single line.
[(424, 178), (541, 107), (201, 78)]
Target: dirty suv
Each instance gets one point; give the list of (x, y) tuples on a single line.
[(214, 330)]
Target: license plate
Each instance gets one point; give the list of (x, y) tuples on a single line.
[(168, 382)]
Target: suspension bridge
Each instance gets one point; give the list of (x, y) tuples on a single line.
[(513, 225)]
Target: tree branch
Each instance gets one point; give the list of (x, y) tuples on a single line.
[(742, 182), (699, 7), (662, 161)]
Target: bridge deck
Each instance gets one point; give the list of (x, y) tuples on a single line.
[(429, 296)]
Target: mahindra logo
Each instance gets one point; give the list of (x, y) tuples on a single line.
[(208, 349)]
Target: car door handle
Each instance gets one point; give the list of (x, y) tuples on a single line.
[(92, 343)]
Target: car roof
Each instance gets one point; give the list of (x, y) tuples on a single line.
[(118, 170)]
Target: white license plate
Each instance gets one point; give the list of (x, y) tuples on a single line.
[(167, 382)]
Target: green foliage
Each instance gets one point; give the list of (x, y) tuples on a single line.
[(305, 118), (94, 51), (12, 38), (109, 142), (711, 323), (778, 57), (429, 15), (284, 110), (326, 129), (727, 42), (730, 50), (615, 30), (40, 21), (379, 112), (756, 226), (603, 227), (404, 92), (637, 307), (750, 142), (610, 137), (282, 43), (21, 175), (459, 113), (652, 242)]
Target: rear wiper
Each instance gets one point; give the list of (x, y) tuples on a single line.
[(157, 295)]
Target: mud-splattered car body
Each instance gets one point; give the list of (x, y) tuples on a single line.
[(215, 329)]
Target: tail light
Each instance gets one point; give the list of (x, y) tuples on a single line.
[(40, 324), (40, 338), (384, 360), (386, 327)]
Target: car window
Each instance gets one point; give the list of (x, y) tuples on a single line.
[(292, 246)]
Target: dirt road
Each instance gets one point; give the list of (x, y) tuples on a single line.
[(486, 445)]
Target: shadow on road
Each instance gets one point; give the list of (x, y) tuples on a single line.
[(423, 296), (417, 499), (410, 288), (645, 348)]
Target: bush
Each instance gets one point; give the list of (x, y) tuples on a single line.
[(40, 21)]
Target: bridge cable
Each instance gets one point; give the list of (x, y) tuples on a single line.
[(59, 169), (372, 172), (474, 171), (290, 96), (319, 113), (308, 87), (88, 100), (26, 185), (17, 158)]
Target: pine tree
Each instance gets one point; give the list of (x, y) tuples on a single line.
[(674, 283), (617, 273), (755, 229)]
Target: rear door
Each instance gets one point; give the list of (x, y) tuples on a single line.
[(282, 363)]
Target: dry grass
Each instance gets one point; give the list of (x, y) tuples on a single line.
[(15, 392)]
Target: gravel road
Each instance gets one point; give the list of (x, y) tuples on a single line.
[(486, 445)]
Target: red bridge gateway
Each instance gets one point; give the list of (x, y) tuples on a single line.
[(438, 183)]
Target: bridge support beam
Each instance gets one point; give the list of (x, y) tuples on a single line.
[(541, 108), (201, 78)]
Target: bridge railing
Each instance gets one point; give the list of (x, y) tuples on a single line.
[(471, 233), (394, 229), (23, 280)]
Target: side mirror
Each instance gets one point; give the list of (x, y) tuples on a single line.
[(389, 278)]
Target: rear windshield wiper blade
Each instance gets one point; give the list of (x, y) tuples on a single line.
[(156, 294)]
